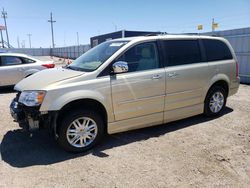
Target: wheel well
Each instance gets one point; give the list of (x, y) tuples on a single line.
[(221, 83), (83, 103)]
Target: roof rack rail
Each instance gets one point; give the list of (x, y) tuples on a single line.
[(165, 33), (156, 34), (184, 33), (151, 34), (191, 33)]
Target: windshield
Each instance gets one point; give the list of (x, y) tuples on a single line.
[(96, 56)]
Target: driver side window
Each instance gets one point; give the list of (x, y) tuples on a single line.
[(141, 57)]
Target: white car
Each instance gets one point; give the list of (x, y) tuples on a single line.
[(14, 67)]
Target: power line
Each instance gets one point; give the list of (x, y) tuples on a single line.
[(52, 33), (4, 16)]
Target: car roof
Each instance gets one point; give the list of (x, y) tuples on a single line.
[(167, 36), (14, 54), (19, 55)]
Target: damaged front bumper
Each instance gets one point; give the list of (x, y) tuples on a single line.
[(30, 118)]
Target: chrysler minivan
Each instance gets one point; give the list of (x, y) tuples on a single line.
[(126, 84)]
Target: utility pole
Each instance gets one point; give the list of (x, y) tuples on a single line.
[(78, 46), (23, 43), (18, 43), (29, 35), (4, 16), (52, 33)]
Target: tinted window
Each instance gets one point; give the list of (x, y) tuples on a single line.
[(11, 60), (216, 50), (181, 52), (27, 60), (141, 57)]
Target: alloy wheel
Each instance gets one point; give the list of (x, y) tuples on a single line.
[(82, 132)]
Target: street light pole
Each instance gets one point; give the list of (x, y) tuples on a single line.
[(18, 43), (78, 45), (4, 16), (115, 26), (29, 35), (2, 38), (77, 37)]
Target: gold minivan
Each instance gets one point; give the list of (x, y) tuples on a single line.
[(127, 84)]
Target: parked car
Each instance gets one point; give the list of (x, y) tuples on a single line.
[(127, 84), (14, 67)]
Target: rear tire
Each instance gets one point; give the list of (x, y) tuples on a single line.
[(215, 101), (80, 130)]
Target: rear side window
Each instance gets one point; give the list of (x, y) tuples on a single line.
[(181, 52), (27, 60), (216, 50)]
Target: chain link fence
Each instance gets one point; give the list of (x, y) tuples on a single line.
[(71, 52), (29, 51)]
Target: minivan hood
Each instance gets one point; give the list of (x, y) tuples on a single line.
[(42, 79)]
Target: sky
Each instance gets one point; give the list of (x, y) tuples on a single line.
[(93, 17)]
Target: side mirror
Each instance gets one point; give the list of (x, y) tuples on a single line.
[(120, 67)]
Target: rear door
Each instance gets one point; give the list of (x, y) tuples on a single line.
[(10, 70), (186, 78)]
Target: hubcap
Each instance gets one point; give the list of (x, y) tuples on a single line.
[(216, 102), (82, 132)]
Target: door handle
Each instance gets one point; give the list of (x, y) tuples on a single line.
[(156, 77), (172, 74)]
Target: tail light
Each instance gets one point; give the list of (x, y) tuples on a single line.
[(49, 66), (237, 69)]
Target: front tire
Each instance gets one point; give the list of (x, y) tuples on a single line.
[(215, 101), (80, 130)]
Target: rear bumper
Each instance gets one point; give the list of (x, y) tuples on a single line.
[(234, 87)]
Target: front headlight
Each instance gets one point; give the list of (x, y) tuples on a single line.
[(32, 98)]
